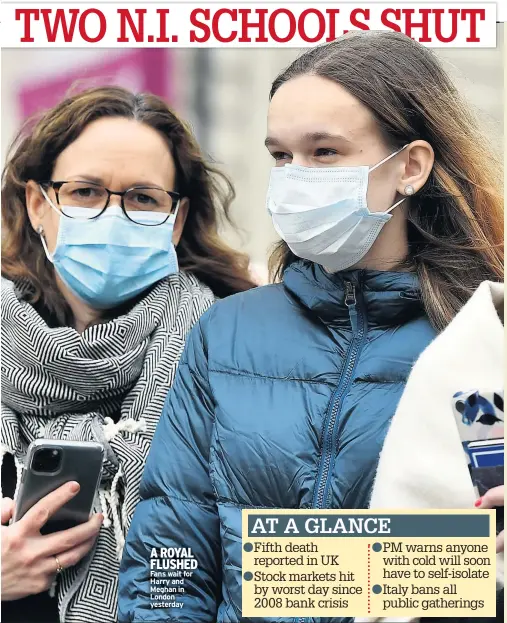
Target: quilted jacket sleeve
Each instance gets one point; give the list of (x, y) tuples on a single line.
[(177, 507)]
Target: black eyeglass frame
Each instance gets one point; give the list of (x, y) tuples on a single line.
[(56, 185)]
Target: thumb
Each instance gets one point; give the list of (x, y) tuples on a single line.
[(7, 509), (493, 497)]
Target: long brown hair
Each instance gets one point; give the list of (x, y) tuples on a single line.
[(455, 222), (33, 155)]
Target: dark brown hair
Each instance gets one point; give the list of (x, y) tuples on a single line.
[(33, 156), (455, 222)]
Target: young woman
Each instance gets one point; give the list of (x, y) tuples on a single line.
[(388, 203), (110, 254)]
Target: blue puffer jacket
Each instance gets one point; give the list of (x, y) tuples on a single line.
[(282, 399)]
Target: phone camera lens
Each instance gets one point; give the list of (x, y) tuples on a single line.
[(47, 460)]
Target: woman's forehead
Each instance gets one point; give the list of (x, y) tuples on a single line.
[(310, 105), (118, 148)]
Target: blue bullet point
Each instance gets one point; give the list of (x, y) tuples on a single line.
[(248, 547), (377, 589), (248, 576), (376, 547)]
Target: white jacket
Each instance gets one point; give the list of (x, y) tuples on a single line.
[(422, 463)]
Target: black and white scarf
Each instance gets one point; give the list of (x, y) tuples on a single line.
[(107, 384)]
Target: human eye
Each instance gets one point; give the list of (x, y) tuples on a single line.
[(144, 198), (85, 192), (82, 190), (80, 193), (323, 152), (280, 156)]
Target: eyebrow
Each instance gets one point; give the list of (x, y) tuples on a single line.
[(98, 180), (310, 137), (86, 178)]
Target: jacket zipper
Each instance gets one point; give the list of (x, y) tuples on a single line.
[(358, 324), (358, 328)]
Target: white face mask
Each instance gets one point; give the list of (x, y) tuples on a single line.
[(322, 213)]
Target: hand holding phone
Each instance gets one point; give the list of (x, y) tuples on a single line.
[(480, 420), (29, 558), (51, 463)]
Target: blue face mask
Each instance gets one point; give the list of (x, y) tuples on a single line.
[(109, 260)]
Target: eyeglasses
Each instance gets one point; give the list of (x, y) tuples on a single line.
[(94, 198)]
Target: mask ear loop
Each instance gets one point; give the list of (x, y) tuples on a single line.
[(40, 229), (175, 215), (382, 162), (395, 205), (387, 158), (45, 195)]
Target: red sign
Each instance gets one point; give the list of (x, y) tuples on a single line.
[(140, 70)]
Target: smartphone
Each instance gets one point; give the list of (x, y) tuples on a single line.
[(480, 419), (51, 463)]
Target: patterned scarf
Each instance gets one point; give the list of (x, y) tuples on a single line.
[(107, 384)]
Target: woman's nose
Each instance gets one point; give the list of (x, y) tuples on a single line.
[(300, 160), (115, 201)]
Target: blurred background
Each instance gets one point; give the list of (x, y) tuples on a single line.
[(224, 94)]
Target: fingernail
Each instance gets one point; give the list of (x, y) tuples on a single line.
[(100, 517), (74, 487), (478, 502)]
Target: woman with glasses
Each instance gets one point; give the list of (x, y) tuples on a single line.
[(110, 254)]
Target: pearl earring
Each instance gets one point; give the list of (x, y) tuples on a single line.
[(409, 189), (40, 230)]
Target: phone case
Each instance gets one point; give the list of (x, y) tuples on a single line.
[(82, 462), (479, 414), (480, 419)]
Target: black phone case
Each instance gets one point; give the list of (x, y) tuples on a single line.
[(82, 462)]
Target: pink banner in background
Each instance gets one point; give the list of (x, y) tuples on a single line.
[(137, 70)]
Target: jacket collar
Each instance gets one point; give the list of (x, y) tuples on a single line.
[(388, 298)]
